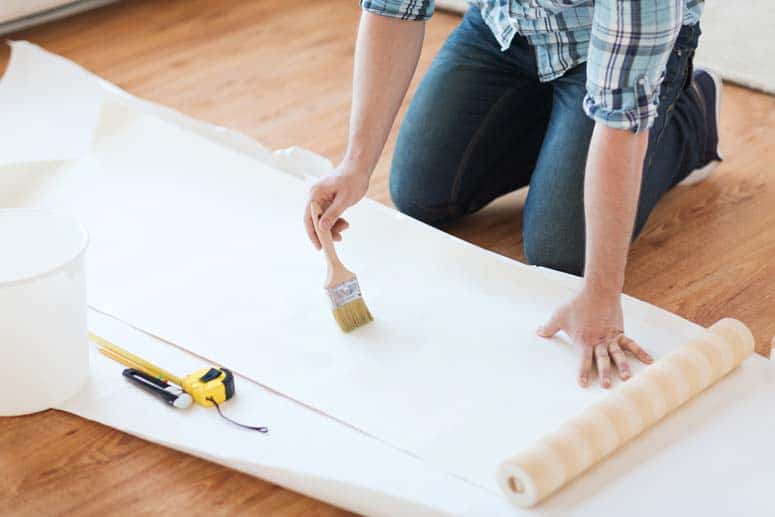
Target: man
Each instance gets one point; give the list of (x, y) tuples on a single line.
[(594, 105)]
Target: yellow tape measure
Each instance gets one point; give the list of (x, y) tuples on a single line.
[(208, 385)]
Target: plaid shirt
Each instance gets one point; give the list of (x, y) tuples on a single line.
[(625, 43)]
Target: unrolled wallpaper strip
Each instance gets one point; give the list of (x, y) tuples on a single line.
[(583, 441)]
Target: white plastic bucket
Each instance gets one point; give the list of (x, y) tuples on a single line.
[(44, 349)]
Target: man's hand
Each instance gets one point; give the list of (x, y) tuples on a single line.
[(595, 324), (334, 194)]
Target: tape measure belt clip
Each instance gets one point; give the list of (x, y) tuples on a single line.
[(211, 374), (228, 383)]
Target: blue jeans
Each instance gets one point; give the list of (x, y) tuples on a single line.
[(481, 125)]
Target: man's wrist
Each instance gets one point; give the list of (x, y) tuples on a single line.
[(602, 289), (358, 161)]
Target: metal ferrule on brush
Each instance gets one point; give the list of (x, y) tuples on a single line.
[(344, 293)]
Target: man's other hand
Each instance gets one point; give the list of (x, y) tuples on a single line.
[(595, 323)]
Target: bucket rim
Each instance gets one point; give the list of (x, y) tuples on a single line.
[(76, 256)]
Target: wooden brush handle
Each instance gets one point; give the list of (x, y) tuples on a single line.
[(337, 273)]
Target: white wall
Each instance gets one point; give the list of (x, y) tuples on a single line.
[(18, 14), (452, 5), (14, 9)]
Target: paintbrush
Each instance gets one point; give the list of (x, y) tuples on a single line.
[(347, 303)]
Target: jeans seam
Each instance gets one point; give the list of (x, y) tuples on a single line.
[(456, 184), (671, 107)]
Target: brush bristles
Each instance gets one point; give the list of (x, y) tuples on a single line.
[(352, 315)]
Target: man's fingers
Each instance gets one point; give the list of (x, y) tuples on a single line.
[(339, 226), (552, 327), (586, 365), (332, 213), (309, 226), (620, 360), (633, 347), (603, 364)]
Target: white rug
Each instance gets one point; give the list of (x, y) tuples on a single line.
[(737, 42)]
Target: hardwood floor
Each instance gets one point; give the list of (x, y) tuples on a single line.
[(280, 72)]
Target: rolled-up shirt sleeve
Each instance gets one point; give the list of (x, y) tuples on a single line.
[(629, 47), (415, 10)]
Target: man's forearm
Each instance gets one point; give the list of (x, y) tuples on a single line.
[(611, 191), (386, 55)]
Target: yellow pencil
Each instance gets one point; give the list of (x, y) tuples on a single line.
[(121, 359), (144, 365)]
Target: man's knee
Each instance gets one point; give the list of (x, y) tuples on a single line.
[(420, 183), (554, 250), (401, 195), (412, 196)]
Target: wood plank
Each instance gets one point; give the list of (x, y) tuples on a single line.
[(280, 72)]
